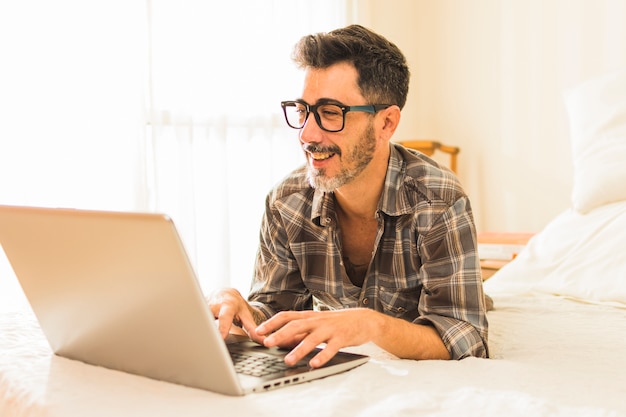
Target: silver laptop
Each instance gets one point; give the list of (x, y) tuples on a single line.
[(117, 290)]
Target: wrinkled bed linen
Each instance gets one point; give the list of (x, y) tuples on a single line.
[(550, 357)]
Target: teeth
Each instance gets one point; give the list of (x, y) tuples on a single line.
[(321, 156)]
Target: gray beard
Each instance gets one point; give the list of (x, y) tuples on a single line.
[(361, 155), (318, 180)]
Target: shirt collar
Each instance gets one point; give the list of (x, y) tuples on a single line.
[(393, 201)]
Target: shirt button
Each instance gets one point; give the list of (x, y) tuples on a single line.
[(366, 301)]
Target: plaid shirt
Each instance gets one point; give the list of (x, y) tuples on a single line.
[(424, 269)]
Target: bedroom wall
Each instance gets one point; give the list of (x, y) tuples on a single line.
[(488, 76)]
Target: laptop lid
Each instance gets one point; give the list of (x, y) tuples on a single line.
[(117, 290)]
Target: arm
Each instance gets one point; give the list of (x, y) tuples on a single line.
[(351, 327), (452, 299), (451, 321), (277, 285)]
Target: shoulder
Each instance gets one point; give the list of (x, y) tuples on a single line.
[(291, 191), (427, 177)]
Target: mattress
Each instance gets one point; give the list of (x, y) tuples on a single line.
[(549, 356)]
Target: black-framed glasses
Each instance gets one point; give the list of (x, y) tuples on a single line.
[(331, 117)]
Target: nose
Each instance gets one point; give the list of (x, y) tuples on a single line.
[(311, 132)]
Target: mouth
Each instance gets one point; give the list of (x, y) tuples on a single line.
[(319, 153), (321, 156)]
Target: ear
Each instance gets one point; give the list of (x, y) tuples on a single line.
[(390, 118)]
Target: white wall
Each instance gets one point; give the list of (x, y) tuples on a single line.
[(488, 76)]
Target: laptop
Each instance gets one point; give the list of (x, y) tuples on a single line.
[(117, 290)]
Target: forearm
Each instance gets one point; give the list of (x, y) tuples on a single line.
[(452, 298), (406, 340), (305, 330)]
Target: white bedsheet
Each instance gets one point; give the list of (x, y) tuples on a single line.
[(550, 357)]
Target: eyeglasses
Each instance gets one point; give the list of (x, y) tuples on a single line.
[(330, 117)]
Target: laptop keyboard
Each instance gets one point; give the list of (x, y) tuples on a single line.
[(259, 363)]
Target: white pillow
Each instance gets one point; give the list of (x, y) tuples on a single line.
[(597, 114), (581, 256), (581, 253)]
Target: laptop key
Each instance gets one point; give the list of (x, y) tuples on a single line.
[(260, 364)]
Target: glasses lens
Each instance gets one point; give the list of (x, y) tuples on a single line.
[(296, 114), (331, 117)]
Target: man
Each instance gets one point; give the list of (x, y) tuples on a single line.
[(368, 242)]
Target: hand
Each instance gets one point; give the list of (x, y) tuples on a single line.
[(307, 329), (230, 308)]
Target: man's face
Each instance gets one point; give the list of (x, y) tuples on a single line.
[(335, 159)]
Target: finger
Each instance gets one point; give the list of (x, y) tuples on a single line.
[(284, 342), (271, 325), (306, 346), (323, 356), (215, 309), (279, 320), (225, 318), (284, 333), (249, 325)]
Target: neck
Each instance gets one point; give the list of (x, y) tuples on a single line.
[(360, 197)]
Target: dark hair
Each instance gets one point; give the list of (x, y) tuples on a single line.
[(382, 69)]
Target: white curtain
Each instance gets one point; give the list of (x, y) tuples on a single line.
[(71, 120), (217, 141), (155, 105)]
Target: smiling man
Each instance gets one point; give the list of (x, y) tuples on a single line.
[(368, 241)]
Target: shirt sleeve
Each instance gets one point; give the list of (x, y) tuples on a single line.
[(452, 298), (277, 283)]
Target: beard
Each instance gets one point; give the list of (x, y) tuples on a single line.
[(353, 163)]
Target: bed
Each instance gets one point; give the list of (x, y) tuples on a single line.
[(557, 332)]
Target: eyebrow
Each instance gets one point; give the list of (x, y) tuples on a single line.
[(323, 100)]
